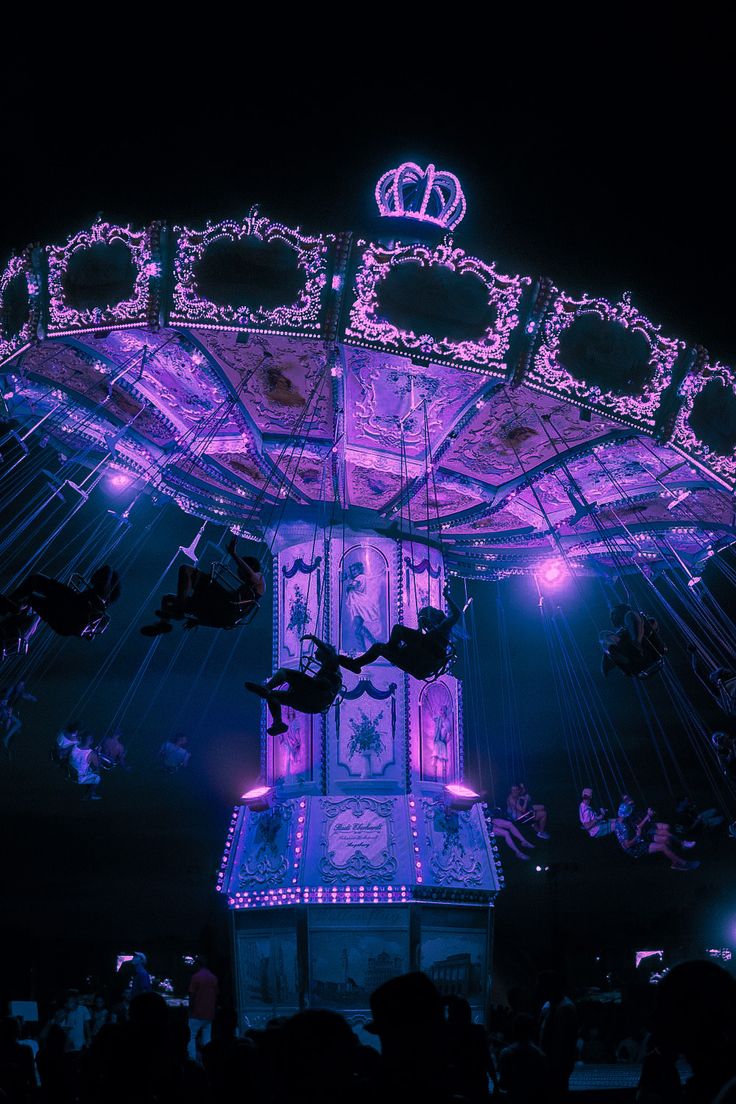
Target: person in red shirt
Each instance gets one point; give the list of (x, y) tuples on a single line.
[(203, 990)]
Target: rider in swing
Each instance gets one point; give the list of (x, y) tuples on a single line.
[(422, 652), (305, 693), (635, 647), (67, 611), (205, 601)]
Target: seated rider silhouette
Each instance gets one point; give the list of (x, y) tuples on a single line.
[(305, 693), (67, 611), (16, 630), (720, 682), (421, 652), (204, 601), (635, 646)]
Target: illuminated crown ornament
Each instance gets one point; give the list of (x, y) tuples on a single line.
[(427, 195)]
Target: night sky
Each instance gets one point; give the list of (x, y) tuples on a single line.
[(600, 159)]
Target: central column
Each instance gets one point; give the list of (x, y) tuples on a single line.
[(358, 864)]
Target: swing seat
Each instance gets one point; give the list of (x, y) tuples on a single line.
[(449, 659), (227, 580), (652, 669), (97, 626), (226, 577), (13, 647), (62, 761), (310, 666), (105, 763), (525, 818), (193, 622)]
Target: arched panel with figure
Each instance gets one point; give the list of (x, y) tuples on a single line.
[(364, 599), (437, 733)]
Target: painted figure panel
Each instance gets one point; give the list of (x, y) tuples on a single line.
[(438, 733), (282, 380), (454, 844), (395, 403), (364, 599)]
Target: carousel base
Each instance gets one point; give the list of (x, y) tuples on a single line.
[(330, 896), (333, 956)]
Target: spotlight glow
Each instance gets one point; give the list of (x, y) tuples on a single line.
[(459, 797), (119, 480), (457, 790), (255, 793), (552, 573), (259, 799)]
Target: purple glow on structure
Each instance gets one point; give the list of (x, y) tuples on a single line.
[(191, 307), (642, 956), (682, 434), (119, 480), (504, 293), (458, 790), (553, 573), (256, 792), (203, 416), (355, 895), (413, 192), (138, 310), (725, 954), (548, 374)]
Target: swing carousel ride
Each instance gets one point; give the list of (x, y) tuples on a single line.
[(380, 412)]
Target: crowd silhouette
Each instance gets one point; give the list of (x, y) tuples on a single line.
[(142, 1051)]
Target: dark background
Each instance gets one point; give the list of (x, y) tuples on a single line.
[(597, 154)]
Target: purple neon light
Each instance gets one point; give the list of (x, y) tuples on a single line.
[(192, 308), (682, 434), (138, 310), (356, 895), (552, 573), (256, 792), (119, 480), (504, 293), (171, 390), (546, 372), (458, 790), (412, 192)]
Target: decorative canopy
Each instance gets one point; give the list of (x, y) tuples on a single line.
[(253, 372)]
